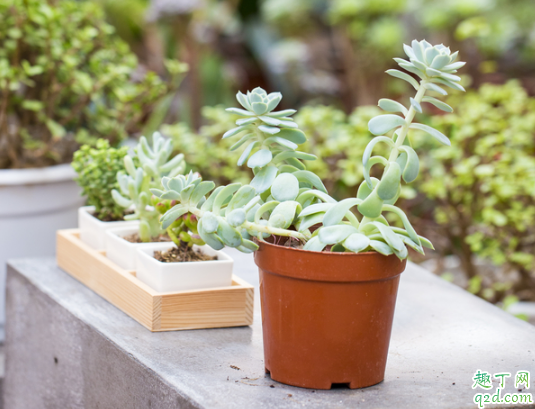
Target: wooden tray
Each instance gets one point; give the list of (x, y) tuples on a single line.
[(213, 308)]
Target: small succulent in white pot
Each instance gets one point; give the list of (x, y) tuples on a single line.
[(153, 162), (317, 245)]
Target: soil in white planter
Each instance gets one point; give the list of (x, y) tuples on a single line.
[(171, 276), (182, 254), (93, 230)]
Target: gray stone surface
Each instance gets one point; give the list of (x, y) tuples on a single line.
[(68, 348)]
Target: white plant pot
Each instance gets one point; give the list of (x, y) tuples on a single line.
[(93, 230), (173, 277), (34, 203), (120, 251)]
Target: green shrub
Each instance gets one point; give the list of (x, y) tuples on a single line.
[(66, 79), (483, 187), (97, 175)]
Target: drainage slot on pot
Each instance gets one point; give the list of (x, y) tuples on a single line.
[(340, 385)]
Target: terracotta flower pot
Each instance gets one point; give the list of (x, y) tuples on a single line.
[(326, 317)]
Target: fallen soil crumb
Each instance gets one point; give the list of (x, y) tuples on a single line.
[(271, 386), (134, 238), (181, 255), (235, 367)]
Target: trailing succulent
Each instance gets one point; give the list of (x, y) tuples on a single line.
[(154, 163), (286, 200)]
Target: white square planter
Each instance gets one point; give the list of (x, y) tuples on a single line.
[(173, 277), (120, 251), (92, 230)]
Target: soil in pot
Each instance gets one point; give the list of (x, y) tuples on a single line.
[(110, 217), (134, 238), (184, 253)]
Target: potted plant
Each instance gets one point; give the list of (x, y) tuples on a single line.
[(155, 162), (186, 263), (328, 276), (65, 79), (97, 169)]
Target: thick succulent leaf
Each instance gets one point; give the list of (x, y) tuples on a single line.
[(454, 66), (266, 207), (369, 148), (337, 213), (439, 136), (450, 77), (383, 123), (408, 51), (281, 141), (156, 192), (176, 184), (236, 217), (303, 197), (246, 152), (288, 124), (234, 131), (264, 179), (434, 87), (440, 61), (120, 199), (371, 206), (402, 254), (392, 106), (389, 184), (293, 154), (314, 244), (242, 197), (310, 221), (411, 68), (269, 120), (439, 104), (356, 242), (244, 139), (404, 76), (381, 247), (406, 223), (172, 215), (275, 98), (294, 135), (207, 206), (269, 129), (336, 234), (280, 114), (210, 238), (249, 245), (230, 236), (390, 237), (242, 99), (259, 108), (305, 176), (209, 222), (171, 195), (412, 164), (285, 187), (411, 244), (365, 190), (260, 159), (200, 191), (374, 160), (224, 196), (284, 214), (418, 50), (416, 105), (240, 112), (316, 208), (296, 164), (245, 121), (450, 84)]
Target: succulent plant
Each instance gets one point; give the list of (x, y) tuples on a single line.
[(271, 138), (135, 184), (433, 64), (288, 201)]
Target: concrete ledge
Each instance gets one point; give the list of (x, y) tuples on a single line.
[(68, 348)]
